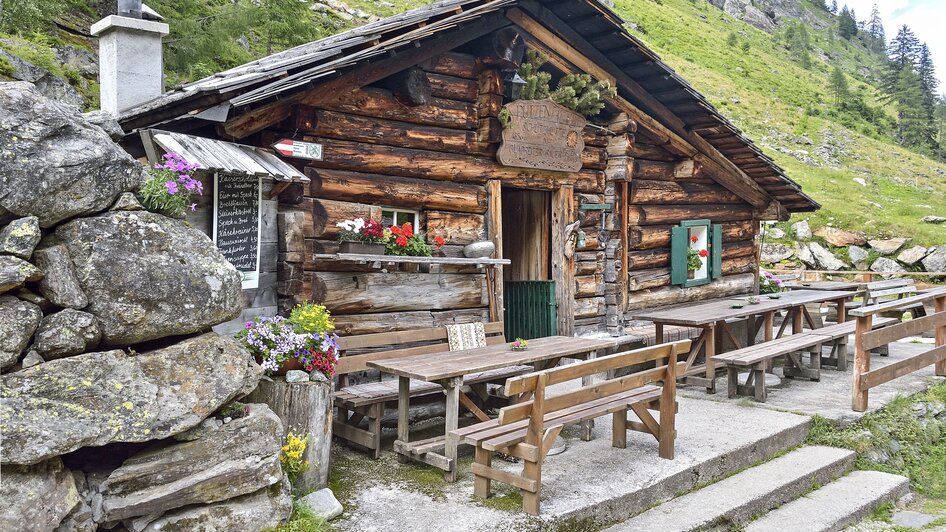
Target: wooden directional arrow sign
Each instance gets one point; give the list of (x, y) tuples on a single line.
[(299, 149)]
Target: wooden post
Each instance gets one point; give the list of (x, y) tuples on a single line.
[(305, 408), (451, 388), (535, 436), (403, 413), (861, 362), (668, 408), (940, 306), (563, 269), (710, 350), (494, 229)]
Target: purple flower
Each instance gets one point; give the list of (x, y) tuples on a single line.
[(171, 186), (193, 207)]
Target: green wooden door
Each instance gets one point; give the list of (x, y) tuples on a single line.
[(531, 311)]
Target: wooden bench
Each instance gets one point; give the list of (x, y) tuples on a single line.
[(757, 357), (367, 401), (884, 291), (528, 428)]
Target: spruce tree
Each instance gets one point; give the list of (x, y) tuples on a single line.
[(913, 126), (927, 73), (799, 43), (847, 24), (875, 28), (839, 86), (902, 54), (834, 7)]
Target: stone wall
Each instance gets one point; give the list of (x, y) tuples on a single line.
[(117, 402)]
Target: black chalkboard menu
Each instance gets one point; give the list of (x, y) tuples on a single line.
[(237, 223)]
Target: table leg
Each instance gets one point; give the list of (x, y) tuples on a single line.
[(751, 330), (841, 350), (658, 333), (768, 324), (710, 363), (451, 389), (403, 414)]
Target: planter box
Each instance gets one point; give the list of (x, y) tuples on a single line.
[(360, 248)]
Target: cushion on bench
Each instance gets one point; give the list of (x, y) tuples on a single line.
[(383, 391)]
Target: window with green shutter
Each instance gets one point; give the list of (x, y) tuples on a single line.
[(695, 253)]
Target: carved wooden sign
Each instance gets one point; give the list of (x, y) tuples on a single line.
[(542, 135)]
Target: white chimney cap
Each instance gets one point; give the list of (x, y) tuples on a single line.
[(115, 21)]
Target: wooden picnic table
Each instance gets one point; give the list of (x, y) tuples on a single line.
[(448, 369), (826, 286), (712, 316)]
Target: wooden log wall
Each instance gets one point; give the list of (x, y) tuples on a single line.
[(664, 191), (435, 158)]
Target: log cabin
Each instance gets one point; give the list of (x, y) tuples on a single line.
[(399, 120)]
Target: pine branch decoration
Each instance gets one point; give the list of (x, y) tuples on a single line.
[(578, 92)]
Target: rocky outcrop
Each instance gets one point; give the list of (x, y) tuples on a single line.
[(53, 164), (36, 497), (824, 258), (858, 256), (235, 458), (18, 321), (47, 83), (746, 11), (801, 230), (885, 265), (936, 260), (775, 253), (98, 398), (912, 255), (178, 282), (256, 511)]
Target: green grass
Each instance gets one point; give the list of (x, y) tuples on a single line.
[(303, 520), (773, 99), (922, 441)]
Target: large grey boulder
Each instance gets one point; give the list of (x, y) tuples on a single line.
[(36, 497), (858, 256), (148, 276), (233, 459), (15, 272), (18, 321), (260, 510), (825, 259), (66, 333), (774, 253), (888, 246), (936, 260), (54, 164), (99, 398), (885, 265), (60, 284), (912, 255), (20, 237), (46, 83), (801, 230), (803, 252)]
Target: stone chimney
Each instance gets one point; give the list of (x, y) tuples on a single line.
[(131, 62)]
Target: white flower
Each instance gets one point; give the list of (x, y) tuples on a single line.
[(359, 223)]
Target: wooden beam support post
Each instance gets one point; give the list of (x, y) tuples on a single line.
[(939, 306), (563, 268), (494, 231), (569, 50), (861, 362)]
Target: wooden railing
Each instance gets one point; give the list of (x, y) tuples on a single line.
[(867, 339), (860, 276)]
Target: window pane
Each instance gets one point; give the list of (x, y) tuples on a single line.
[(387, 218), (405, 217)]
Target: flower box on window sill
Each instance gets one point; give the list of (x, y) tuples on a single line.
[(360, 248)]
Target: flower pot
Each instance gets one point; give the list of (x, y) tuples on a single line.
[(409, 267), (360, 248), (285, 367), (691, 274)]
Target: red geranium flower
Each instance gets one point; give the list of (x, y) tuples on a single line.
[(439, 241), (401, 241), (395, 230), (694, 239), (704, 253), (407, 230)]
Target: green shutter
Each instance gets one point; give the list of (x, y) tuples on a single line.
[(679, 241), (716, 253)]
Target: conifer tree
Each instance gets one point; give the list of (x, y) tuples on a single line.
[(847, 24), (902, 54), (839, 86), (875, 29), (928, 82), (834, 7)]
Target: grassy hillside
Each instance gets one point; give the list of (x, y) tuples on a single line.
[(750, 75), (783, 106)]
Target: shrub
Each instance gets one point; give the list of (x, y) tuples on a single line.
[(171, 187)]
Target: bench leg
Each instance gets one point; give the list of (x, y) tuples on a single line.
[(374, 424), (481, 485), (710, 363), (814, 363), (619, 429), (732, 374), (759, 373), (841, 349), (530, 500)]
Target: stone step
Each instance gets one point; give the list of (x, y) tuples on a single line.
[(835, 506), (754, 491)]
